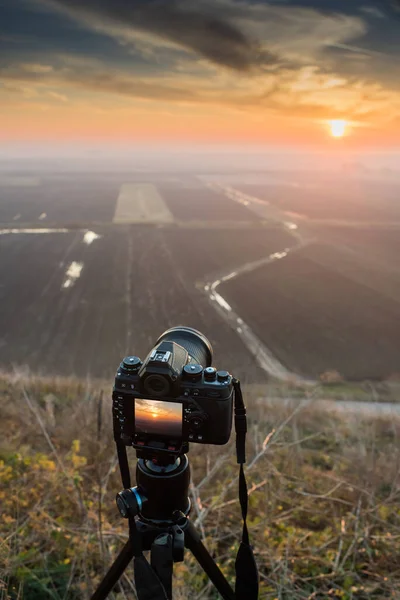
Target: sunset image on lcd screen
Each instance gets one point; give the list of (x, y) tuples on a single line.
[(338, 128), (158, 417)]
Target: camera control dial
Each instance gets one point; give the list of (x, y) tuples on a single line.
[(196, 422), (210, 373)]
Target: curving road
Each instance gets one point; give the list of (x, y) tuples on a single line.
[(263, 355)]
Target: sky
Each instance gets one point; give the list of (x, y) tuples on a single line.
[(215, 71)]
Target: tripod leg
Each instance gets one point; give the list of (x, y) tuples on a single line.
[(162, 560), (201, 554), (114, 573)]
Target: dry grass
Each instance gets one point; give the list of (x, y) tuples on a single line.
[(324, 498)]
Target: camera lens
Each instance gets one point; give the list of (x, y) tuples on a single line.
[(156, 385), (194, 342)]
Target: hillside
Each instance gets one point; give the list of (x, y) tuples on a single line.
[(324, 496)]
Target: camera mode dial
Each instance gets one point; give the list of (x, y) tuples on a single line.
[(192, 372), (131, 363)]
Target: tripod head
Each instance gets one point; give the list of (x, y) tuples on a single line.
[(161, 491)]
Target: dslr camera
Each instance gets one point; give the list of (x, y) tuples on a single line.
[(173, 397)]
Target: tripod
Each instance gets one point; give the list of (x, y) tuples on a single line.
[(161, 505), (157, 511)]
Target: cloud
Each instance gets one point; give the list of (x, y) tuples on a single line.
[(307, 94), (117, 83), (373, 11), (57, 96), (358, 50), (290, 58), (191, 25), (19, 90), (36, 68), (232, 33), (93, 78), (298, 33)]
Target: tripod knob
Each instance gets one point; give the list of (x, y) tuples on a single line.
[(129, 502)]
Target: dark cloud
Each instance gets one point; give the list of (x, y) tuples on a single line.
[(195, 26)]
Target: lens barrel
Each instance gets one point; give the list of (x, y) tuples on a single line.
[(195, 343)]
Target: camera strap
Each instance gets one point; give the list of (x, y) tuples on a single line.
[(246, 587)]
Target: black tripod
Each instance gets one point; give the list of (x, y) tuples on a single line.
[(163, 528), (157, 511)]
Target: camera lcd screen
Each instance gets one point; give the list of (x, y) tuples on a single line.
[(157, 417)]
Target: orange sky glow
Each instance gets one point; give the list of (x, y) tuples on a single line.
[(262, 73)]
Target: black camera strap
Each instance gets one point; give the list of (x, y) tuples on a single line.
[(246, 587)]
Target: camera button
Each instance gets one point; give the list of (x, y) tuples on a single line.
[(222, 376)]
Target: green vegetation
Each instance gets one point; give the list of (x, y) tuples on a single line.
[(324, 498)]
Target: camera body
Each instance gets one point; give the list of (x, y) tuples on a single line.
[(169, 400)]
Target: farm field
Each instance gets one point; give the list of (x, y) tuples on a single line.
[(347, 200), (94, 266), (193, 201), (63, 200), (378, 245), (70, 199), (134, 283), (322, 309)]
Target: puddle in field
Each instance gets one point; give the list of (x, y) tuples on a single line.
[(221, 301), (90, 237), (230, 276), (72, 274), (9, 231), (278, 255)]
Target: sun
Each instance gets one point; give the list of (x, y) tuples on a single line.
[(338, 128), (154, 415)]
